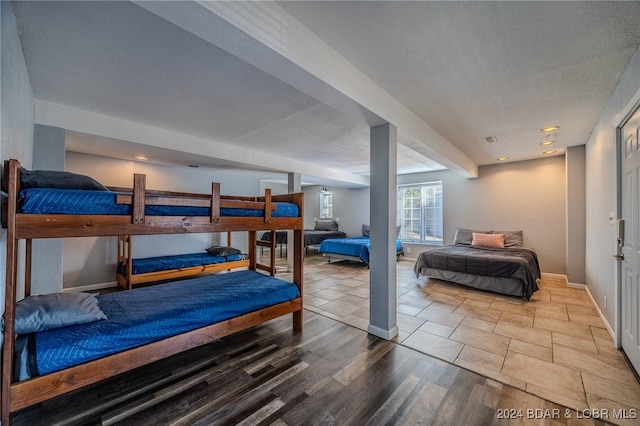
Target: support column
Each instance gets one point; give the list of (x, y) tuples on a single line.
[(382, 256), (48, 154), (294, 185)]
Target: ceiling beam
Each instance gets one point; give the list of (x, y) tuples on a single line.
[(83, 121), (265, 36)]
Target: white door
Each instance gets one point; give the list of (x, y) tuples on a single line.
[(630, 245)]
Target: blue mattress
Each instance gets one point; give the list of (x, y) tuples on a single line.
[(144, 315), (163, 263), (357, 247), (73, 201)]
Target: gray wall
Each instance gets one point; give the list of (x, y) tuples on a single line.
[(526, 195), (601, 198), (350, 206), (48, 154), (17, 114), (92, 261)]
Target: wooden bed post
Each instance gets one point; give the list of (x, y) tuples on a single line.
[(13, 188), (27, 267), (298, 262), (252, 250), (139, 195), (215, 203), (267, 205)]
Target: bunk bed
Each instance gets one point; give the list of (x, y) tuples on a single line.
[(233, 302), (131, 271)]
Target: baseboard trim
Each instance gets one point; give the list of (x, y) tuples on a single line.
[(91, 287), (584, 287), (607, 326), (382, 333), (550, 275)]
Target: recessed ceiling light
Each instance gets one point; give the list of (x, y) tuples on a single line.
[(547, 143), (140, 157), (551, 151), (550, 129), (502, 158)]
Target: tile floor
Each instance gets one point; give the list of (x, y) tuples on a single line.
[(554, 346)]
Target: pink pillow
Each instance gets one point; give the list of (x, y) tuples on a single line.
[(487, 240)]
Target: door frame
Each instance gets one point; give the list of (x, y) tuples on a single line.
[(621, 119)]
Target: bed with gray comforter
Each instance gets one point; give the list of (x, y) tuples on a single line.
[(512, 269)]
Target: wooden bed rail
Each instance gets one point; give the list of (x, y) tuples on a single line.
[(69, 225)]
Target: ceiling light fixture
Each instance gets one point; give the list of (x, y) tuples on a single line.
[(547, 143), (140, 157), (550, 129), (502, 158), (551, 151)]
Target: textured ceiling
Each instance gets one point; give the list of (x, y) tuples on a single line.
[(478, 69), (467, 69)]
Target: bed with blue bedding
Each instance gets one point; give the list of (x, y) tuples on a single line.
[(62, 204), (92, 202), (355, 249), (157, 268), (144, 315), (132, 270), (146, 324)]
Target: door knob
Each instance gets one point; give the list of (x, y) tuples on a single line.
[(618, 256)]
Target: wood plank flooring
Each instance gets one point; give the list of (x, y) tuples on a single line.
[(329, 374)]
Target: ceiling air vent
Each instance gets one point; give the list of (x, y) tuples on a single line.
[(490, 139)]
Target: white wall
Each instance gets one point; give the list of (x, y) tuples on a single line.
[(601, 199), (90, 261), (17, 113), (526, 195), (350, 206)]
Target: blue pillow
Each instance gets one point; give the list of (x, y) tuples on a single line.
[(47, 311)]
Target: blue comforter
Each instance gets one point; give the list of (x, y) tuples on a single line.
[(74, 201), (140, 316), (357, 247), (164, 263)]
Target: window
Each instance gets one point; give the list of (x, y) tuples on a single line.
[(326, 204), (420, 212)]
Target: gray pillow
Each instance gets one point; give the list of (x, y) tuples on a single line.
[(326, 225), (57, 179), (511, 238), (47, 311), (465, 236), (222, 251)]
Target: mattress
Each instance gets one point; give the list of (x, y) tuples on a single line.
[(520, 263), (164, 263), (144, 315), (73, 201), (356, 247)]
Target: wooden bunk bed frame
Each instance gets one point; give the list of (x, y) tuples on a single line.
[(17, 395), (127, 279)]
